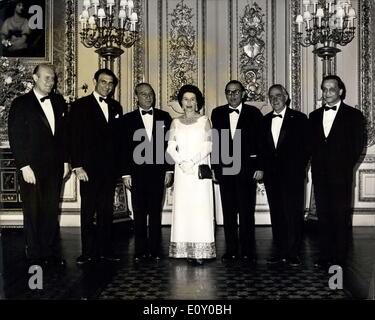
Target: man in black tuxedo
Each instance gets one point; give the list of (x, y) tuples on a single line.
[(238, 135), (285, 157), (337, 141), (37, 136), (144, 169), (94, 120)]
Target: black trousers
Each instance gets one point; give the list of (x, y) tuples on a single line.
[(333, 204), (40, 213), (286, 201), (97, 196), (147, 201), (238, 197)]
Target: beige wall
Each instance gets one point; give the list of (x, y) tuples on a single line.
[(215, 48)]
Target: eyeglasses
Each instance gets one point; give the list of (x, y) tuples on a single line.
[(233, 92)]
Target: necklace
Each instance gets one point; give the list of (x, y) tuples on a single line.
[(189, 120)]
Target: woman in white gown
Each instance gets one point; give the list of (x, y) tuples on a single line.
[(192, 230)]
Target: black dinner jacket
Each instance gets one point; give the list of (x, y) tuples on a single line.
[(130, 123), (31, 139), (250, 123), (334, 157), (94, 141), (289, 158)]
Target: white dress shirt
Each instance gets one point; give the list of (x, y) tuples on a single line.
[(328, 118), (148, 121), (103, 105), (233, 118), (48, 110), (277, 122)]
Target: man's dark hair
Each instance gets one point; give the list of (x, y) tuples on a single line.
[(108, 73), (340, 84), (282, 88), (193, 89)]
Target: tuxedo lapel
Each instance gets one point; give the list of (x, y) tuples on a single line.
[(320, 124), (112, 113), (284, 126), (269, 137), (338, 120), (39, 111), (98, 110), (54, 104)]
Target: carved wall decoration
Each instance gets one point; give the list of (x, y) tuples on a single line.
[(70, 45), (295, 76), (139, 46), (182, 55), (367, 63), (252, 56)]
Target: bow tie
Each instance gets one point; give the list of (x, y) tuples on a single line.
[(147, 112), (326, 108), (234, 110), (274, 115), (45, 98), (101, 99)]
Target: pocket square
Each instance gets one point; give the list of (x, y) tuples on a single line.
[(117, 116), (253, 156)]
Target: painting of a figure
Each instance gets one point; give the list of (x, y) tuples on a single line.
[(23, 28)]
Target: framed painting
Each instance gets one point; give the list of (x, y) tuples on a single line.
[(25, 29)]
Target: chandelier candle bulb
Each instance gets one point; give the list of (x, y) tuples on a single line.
[(351, 16), (110, 4), (123, 4), (307, 18), (329, 4), (315, 4), (122, 16), (130, 8), (86, 4), (92, 22), (101, 16), (320, 15), (340, 16), (95, 4), (299, 21)]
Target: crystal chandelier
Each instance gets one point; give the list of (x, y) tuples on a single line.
[(107, 27), (328, 23)]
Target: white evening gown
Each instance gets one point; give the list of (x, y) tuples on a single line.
[(192, 230)]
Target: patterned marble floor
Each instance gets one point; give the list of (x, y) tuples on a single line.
[(176, 279)]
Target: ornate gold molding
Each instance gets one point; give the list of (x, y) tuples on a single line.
[(295, 68), (366, 70), (252, 52), (70, 52), (182, 49), (139, 46)]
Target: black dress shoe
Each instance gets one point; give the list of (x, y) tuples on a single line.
[(155, 257), (249, 259), (139, 257), (229, 257), (55, 262), (110, 258), (294, 261), (81, 260), (322, 263), (199, 261), (276, 260)]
